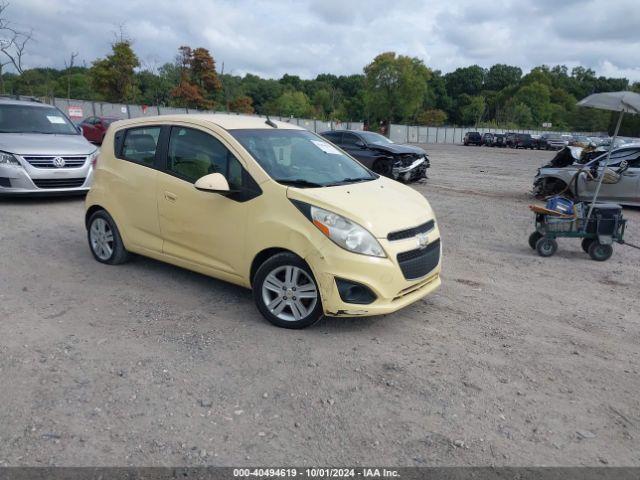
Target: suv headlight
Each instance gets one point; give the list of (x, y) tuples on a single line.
[(342, 231), (8, 159)]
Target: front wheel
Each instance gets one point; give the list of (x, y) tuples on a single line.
[(286, 293), (546, 246), (600, 252)]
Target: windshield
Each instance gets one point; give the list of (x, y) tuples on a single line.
[(34, 119), (374, 138), (301, 158)]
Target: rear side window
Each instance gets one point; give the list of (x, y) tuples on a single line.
[(334, 137), (139, 145), (194, 154)]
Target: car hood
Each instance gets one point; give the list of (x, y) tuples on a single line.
[(399, 149), (381, 206), (43, 144)]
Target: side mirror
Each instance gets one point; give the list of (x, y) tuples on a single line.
[(360, 144), (79, 129), (214, 183)]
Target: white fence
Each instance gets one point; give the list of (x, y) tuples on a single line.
[(79, 109)]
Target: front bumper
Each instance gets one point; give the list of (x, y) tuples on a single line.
[(414, 171), (28, 180), (382, 275)]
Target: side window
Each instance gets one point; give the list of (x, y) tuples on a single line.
[(350, 139), (334, 137), (140, 144), (194, 154)]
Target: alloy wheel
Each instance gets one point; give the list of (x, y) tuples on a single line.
[(289, 293), (102, 240)]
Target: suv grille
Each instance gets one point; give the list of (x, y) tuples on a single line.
[(417, 263), (71, 161), (58, 182), (411, 232)]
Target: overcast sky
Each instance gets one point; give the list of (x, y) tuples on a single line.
[(307, 37)]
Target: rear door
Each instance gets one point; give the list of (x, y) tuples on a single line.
[(133, 187)]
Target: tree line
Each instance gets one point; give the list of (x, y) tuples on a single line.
[(392, 88)]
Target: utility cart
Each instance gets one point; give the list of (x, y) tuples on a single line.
[(605, 226)]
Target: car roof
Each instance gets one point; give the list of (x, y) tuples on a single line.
[(222, 120), (342, 131), (13, 101)]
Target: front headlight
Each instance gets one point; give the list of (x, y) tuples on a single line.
[(8, 159), (345, 233)]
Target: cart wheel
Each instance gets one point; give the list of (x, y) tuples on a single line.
[(600, 252), (533, 239), (586, 243), (546, 246)]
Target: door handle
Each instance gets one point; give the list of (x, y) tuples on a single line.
[(171, 197)]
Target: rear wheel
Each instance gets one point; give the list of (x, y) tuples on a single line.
[(105, 241), (286, 293), (546, 247), (600, 252), (586, 243), (533, 239)]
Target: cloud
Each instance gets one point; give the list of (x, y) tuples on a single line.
[(307, 37)]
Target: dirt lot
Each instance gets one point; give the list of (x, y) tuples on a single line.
[(517, 360)]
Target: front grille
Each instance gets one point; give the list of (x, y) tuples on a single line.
[(70, 161), (417, 263), (58, 182), (411, 232)]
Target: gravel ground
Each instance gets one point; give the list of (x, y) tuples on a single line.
[(517, 360)]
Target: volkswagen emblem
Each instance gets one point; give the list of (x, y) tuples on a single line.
[(422, 240), (58, 162)]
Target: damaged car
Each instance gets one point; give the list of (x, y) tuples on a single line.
[(564, 174), (406, 163)]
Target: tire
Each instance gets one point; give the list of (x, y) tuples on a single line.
[(279, 278), (104, 239), (546, 247), (533, 239), (600, 252), (586, 243)]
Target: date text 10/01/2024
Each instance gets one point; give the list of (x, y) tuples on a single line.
[(316, 472)]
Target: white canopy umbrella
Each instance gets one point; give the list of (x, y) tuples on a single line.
[(622, 102)]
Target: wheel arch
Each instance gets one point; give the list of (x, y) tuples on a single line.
[(265, 255), (90, 211)]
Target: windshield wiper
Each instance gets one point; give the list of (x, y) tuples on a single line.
[(297, 182), (344, 181)]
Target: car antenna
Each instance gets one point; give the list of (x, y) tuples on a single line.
[(270, 123)]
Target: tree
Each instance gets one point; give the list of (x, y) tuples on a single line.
[(469, 80), (292, 104), (394, 87), (13, 44), (432, 117), (113, 77), (536, 96), (500, 76), (199, 81), (471, 114), (242, 104)]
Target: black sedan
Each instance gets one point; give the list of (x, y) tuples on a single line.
[(378, 153)]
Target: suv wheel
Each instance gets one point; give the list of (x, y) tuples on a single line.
[(286, 293), (105, 240)]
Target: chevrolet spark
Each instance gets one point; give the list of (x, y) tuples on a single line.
[(265, 205)]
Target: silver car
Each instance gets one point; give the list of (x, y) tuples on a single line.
[(626, 191), (41, 151)]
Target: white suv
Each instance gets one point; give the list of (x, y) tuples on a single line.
[(42, 151)]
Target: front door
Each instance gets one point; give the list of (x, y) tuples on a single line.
[(202, 228), (627, 190)]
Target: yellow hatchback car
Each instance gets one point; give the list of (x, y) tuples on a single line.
[(265, 205)]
